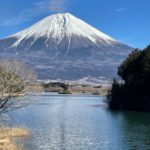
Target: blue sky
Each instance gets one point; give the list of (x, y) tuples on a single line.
[(124, 20)]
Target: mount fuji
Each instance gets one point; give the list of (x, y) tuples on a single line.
[(64, 47)]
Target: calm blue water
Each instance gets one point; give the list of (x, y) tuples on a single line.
[(81, 123)]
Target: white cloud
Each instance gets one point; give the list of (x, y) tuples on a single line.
[(121, 9), (57, 5), (38, 8)]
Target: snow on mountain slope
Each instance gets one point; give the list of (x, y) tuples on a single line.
[(61, 25), (63, 46)]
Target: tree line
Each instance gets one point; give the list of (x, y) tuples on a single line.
[(132, 92)]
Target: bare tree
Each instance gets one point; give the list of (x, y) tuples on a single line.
[(15, 79)]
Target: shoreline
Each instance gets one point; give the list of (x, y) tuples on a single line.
[(8, 135), (73, 89)]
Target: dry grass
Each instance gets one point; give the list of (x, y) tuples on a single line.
[(7, 144), (7, 136), (98, 90)]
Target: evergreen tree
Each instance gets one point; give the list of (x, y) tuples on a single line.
[(133, 93)]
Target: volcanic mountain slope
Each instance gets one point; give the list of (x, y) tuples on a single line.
[(62, 46)]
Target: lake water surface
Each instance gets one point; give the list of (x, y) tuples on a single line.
[(59, 122)]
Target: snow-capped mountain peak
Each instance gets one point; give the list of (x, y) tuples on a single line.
[(58, 26), (65, 47)]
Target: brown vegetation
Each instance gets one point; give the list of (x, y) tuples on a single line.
[(15, 80), (97, 90), (7, 136)]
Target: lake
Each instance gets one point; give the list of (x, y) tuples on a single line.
[(83, 122)]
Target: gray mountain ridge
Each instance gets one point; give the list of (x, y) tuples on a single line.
[(64, 47)]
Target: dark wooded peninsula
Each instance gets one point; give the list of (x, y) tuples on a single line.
[(133, 92)]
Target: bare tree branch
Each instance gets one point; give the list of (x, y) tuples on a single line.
[(16, 79)]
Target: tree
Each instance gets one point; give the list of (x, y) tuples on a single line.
[(134, 93), (129, 67), (15, 79)]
